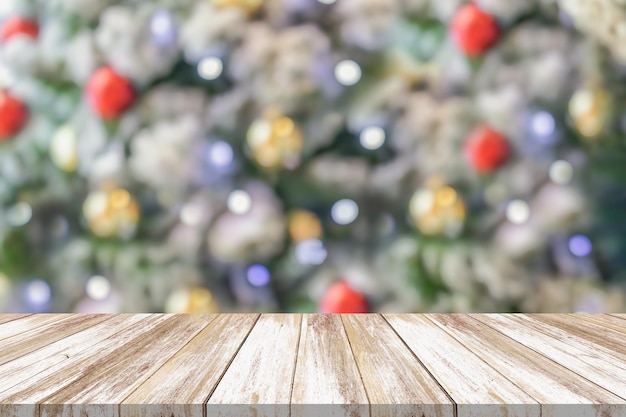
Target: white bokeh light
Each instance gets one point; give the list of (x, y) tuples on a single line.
[(344, 211), (311, 252), (518, 212), (543, 124), (372, 137), (561, 172), (221, 154), (38, 292), (98, 287), (239, 202), (191, 214), (19, 214), (348, 72), (210, 68)]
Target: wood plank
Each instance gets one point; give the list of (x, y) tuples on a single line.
[(24, 324), (113, 377), (64, 351), (618, 315), (605, 320), (596, 333), (475, 387), (183, 385), (258, 382), (560, 391), (395, 381), (55, 378), (327, 381), (31, 340), (589, 361), (5, 318)]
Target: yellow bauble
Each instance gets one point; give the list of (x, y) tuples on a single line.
[(275, 141), (191, 301), (64, 149), (438, 209), (249, 6), (590, 110), (111, 213), (304, 225)]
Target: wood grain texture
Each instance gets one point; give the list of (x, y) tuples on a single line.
[(590, 361), (370, 365), (114, 376), (476, 388), (40, 386), (35, 338), (60, 353), (595, 333), (395, 381), (326, 372), (560, 392), (259, 380), (182, 386), (606, 320), (5, 318)]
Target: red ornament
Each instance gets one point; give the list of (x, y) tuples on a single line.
[(109, 93), (13, 115), (473, 30), (19, 26), (486, 149), (340, 298)]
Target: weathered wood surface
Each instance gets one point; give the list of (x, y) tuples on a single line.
[(256, 365)]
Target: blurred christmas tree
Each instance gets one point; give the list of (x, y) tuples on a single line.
[(311, 155)]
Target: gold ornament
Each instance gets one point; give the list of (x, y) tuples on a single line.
[(304, 225), (64, 149), (111, 213), (249, 6), (275, 141), (438, 209), (191, 301), (590, 110)]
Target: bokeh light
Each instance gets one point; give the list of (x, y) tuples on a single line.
[(345, 211), (372, 137), (98, 287), (239, 202), (348, 72), (210, 68), (580, 246), (258, 275)]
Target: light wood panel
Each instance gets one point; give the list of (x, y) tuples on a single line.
[(397, 384), (185, 382), (476, 388), (326, 372), (293, 365), (259, 380), (35, 338), (592, 362), (560, 391)]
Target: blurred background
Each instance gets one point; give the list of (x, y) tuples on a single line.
[(312, 155)]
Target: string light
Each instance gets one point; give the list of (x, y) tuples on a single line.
[(19, 214), (163, 28), (518, 212), (98, 287), (561, 172), (258, 275), (191, 214), (543, 125), (372, 137), (344, 211), (210, 68), (580, 246), (239, 202), (221, 154), (348, 72), (311, 252), (38, 292)]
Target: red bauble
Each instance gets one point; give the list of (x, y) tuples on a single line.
[(109, 93), (486, 149), (473, 30), (19, 26), (340, 298), (13, 115)]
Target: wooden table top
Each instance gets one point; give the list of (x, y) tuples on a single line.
[(418, 365)]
